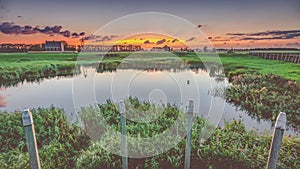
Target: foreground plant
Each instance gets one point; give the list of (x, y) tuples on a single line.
[(58, 141), (229, 147), (64, 145)]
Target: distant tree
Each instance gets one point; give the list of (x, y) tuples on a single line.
[(230, 51), (36, 47), (205, 49)]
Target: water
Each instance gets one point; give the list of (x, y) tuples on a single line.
[(159, 86)]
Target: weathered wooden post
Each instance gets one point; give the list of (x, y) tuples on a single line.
[(31, 140), (276, 140), (123, 132), (187, 160)]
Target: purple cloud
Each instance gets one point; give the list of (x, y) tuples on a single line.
[(191, 39), (148, 42), (175, 40), (12, 28), (98, 38), (295, 44), (268, 35), (161, 42)]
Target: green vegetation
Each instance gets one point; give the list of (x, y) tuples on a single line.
[(264, 96), (17, 67), (63, 145), (58, 141), (271, 75), (245, 62)]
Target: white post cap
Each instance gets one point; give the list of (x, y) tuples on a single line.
[(281, 121)]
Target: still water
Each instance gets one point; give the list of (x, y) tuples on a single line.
[(158, 86)]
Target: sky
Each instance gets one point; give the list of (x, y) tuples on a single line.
[(230, 23)]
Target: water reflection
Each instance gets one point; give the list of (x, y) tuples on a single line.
[(154, 84), (3, 102), (38, 77)]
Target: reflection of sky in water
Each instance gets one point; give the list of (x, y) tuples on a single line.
[(159, 87)]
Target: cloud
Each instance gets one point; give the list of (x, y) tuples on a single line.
[(148, 42), (105, 38), (295, 44), (91, 37), (191, 39), (14, 29), (267, 35), (77, 35), (200, 26), (270, 38), (98, 38), (175, 40), (66, 33), (219, 39), (161, 42)]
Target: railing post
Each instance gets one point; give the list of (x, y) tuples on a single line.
[(276, 140), (31, 140), (123, 133), (187, 160)]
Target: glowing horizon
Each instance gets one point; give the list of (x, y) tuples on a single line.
[(240, 25)]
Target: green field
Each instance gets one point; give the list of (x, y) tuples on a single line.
[(17, 66)]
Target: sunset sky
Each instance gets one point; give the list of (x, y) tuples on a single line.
[(225, 23)]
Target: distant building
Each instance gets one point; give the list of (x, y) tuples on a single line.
[(165, 48), (114, 48), (125, 48), (55, 45), (7, 47)]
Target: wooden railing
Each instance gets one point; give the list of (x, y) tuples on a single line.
[(286, 57)]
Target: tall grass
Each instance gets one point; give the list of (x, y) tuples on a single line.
[(64, 145), (229, 147), (264, 96), (58, 141)]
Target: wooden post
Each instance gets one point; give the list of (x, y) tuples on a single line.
[(187, 161), (31, 140), (123, 132), (276, 140)]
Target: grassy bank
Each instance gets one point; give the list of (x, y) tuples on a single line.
[(264, 96), (16, 67), (62, 145), (242, 62)]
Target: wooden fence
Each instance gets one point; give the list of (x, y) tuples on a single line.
[(286, 57)]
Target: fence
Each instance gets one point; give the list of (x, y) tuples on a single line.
[(286, 57), (34, 156)]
